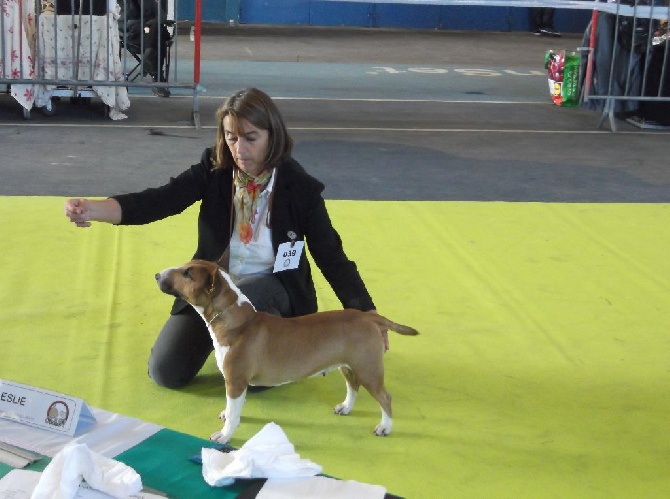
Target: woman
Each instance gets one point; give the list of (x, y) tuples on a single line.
[(254, 197)]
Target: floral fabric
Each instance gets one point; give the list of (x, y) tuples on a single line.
[(95, 40), (69, 48), (17, 48)]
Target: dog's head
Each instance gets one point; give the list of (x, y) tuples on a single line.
[(196, 282)]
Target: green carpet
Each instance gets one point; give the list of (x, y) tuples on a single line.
[(542, 367)]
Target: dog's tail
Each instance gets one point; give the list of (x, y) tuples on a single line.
[(394, 326)]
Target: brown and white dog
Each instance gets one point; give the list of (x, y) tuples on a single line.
[(258, 348)]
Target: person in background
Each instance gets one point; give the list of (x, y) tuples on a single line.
[(542, 21), (142, 29), (253, 198)]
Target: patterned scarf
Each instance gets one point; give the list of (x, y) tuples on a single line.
[(246, 201)]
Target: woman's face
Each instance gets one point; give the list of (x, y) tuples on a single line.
[(250, 148)]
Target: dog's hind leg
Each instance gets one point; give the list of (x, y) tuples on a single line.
[(377, 390), (352, 391), (386, 424), (231, 417), (369, 373)]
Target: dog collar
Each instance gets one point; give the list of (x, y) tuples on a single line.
[(216, 315)]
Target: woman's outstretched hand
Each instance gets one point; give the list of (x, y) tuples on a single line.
[(77, 211), (82, 212)]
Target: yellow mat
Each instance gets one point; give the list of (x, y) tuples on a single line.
[(542, 368)]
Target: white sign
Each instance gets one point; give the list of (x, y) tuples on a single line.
[(288, 256), (44, 409)]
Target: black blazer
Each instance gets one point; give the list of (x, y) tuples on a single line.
[(297, 206)]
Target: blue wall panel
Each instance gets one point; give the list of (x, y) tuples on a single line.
[(572, 21), (274, 12), (519, 18), (465, 18), (407, 16), (338, 14), (212, 10), (318, 13)]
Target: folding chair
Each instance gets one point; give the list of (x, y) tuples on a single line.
[(136, 36)]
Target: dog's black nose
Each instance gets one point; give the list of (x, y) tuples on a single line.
[(157, 276)]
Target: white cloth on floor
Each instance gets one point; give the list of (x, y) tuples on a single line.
[(268, 454), (76, 462), (320, 487)]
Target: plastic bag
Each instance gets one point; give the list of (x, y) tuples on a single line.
[(563, 73)]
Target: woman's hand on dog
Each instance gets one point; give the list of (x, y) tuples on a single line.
[(385, 334)]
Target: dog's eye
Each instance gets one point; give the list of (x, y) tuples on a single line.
[(187, 273)]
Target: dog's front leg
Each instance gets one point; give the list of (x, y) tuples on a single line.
[(231, 417)]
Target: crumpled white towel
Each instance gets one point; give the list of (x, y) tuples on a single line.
[(268, 454), (62, 477), (320, 487)]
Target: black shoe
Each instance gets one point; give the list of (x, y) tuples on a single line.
[(550, 32), (536, 32), (161, 91)]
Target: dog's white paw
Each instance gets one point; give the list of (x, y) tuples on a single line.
[(220, 437), (382, 430), (342, 409)]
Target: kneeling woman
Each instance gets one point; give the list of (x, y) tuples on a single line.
[(255, 201)]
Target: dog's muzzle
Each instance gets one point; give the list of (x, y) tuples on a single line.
[(165, 283)]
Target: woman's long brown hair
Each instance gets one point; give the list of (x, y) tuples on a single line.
[(259, 109)]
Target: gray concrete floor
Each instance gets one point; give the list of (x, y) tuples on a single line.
[(425, 114)]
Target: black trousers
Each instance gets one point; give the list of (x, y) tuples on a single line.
[(541, 17), (147, 42)]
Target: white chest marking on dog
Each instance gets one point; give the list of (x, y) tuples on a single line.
[(220, 351)]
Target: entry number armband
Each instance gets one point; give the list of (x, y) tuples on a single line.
[(288, 256)]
